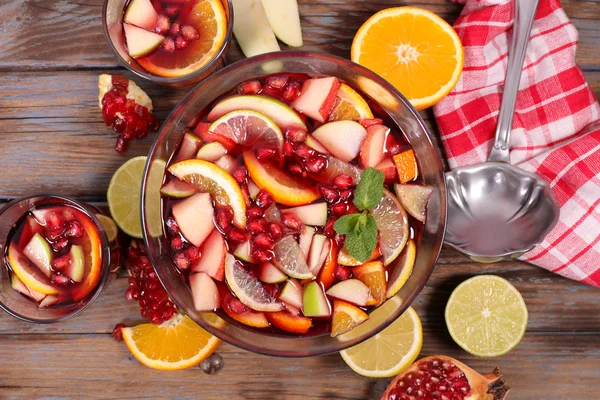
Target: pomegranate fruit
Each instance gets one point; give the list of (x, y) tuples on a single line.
[(444, 378)]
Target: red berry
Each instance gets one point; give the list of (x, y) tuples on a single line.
[(303, 151), (223, 218), (236, 236), (264, 153), (250, 87), (343, 181), (121, 145), (240, 174), (262, 255), (275, 230), (296, 135), (189, 32), (60, 263), (117, 335), (180, 42), (330, 194), (172, 226), (263, 199), (175, 29), (254, 212), (291, 221), (257, 226), (263, 240), (315, 165), (345, 194)]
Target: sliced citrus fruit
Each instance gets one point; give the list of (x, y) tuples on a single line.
[(248, 289), (109, 227), (284, 188), (372, 274), (176, 344), (350, 105), (344, 258), (213, 320), (28, 273), (92, 249), (389, 352), (486, 316), (346, 317), (400, 271), (406, 166), (413, 49), (281, 113), (210, 178), (289, 258), (209, 19), (249, 128), (392, 222), (123, 196)]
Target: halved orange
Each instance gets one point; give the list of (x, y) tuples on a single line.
[(209, 19), (413, 49), (176, 344)]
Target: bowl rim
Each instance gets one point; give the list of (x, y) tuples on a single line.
[(363, 71)]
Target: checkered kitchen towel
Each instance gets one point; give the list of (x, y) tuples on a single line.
[(556, 129)]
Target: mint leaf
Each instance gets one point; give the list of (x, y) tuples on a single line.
[(362, 244), (346, 225), (369, 191)]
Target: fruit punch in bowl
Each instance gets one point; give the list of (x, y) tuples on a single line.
[(55, 258), (293, 205), (171, 42)]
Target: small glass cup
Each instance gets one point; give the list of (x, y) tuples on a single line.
[(13, 302), (112, 17)]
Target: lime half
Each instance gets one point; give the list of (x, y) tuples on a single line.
[(486, 316)]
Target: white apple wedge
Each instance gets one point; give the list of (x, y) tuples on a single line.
[(311, 214), (212, 259), (205, 292), (351, 290), (305, 239), (211, 152), (141, 13), (372, 149), (292, 293), (342, 138), (314, 255), (141, 42), (268, 273), (194, 216), (252, 29), (285, 20)]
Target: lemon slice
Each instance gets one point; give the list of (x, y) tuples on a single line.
[(176, 344), (109, 227), (249, 128), (392, 222), (389, 352), (486, 316)]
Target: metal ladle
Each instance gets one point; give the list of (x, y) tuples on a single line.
[(496, 210)]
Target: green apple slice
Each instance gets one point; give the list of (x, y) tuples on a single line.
[(314, 302), (39, 253), (285, 20), (77, 266)]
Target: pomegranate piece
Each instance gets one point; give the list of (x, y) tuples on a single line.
[(180, 42), (277, 82), (175, 29), (330, 194), (317, 97), (264, 199), (371, 121), (442, 377), (257, 226), (315, 165), (263, 240), (117, 335), (189, 32), (275, 230), (250, 87), (264, 153), (240, 174), (303, 151), (169, 45), (223, 219), (291, 221), (343, 181), (296, 135), (291, 91), (163, 24), (254, 212), (236, 236)]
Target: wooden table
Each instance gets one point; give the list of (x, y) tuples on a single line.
[(52, 138)]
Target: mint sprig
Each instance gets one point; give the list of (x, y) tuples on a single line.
[(361, 229)]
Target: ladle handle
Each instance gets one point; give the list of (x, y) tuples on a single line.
[(524, 15)]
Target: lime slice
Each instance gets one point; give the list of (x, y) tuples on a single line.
[(123, 196), (392, 222), (248, 289), (249, 128), (389, 352), (289, 259), (486, 316), (109, 227)]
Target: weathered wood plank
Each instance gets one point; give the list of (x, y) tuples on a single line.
[(555, 304), (96, 367)]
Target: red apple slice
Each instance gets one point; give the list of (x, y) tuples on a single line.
[(141, 42), (292, 310), (212, 256), (414, 199), (211, 152), (306, 237), (317, 97), (141, 13), (314, 301), (372, 149), (205, 292), (189, 147), (316, 249), (194, 216), (314, 214), (288, 322), (292, 293), (388, 168), (343, 139), (352, 291), (268, 273)]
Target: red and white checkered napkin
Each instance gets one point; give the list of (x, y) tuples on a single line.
[(556, 129)]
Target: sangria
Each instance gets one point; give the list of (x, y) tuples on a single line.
[(294, 204)]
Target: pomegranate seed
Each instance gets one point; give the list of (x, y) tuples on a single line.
[(254, 212), (352, 209), (119, 82), (296, 169), (339, 208), (291, 221), (303, 151), (152, 123), (330, 194), (129, 294), (60, 280), (275, 230), (117, 335), (55, 232), (288, 149), (236, 236), (250, 87), (118, 125), (171, 11), (167, 314), (343, 181), (60, 263), (172, 226), (277, 82), (264, 153), (315, 165), (263, 199), (223, 218), (189, 32), (234, 305), (60, 244), (292, 91), (155, 318), (345, 194), (262, 255), (296, 135), (163, 24), (240, 174), (394, 148), (263, 240), (168, 45), (180, 42), (74, 230), (371, 121), (192, 252), (177, 243), (328, 229), (121, 145), (342, 273), (257, 226), (182, 261), (175, 28)]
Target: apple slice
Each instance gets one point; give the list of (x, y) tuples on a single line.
[(292, 309), (189, 147), (28, 273), (288, 322), (39, 253), (177, 189), (228, 163), (315, 145), (252, 29), (242, 251), (306, 237), (342, 138), (372, 149), (141, 13), (49, 301), (314, 256), (194, 216), (414, 199), (211, 152), (20, 287), (253, 189), (352, 291), (388, 168), (268, 273), (141, 42), (292, 293), (205, 292), (281, 113), (76, 267), (285, 20), (212, 259), (289, 258), (314, 301), (346, 317), (317, 98), (314, 214)]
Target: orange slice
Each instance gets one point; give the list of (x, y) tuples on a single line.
[(92, 248), (406, 166), (176, 344), (413, 49), (345, 317), (209, 19), (350, 105), (373, 274)]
